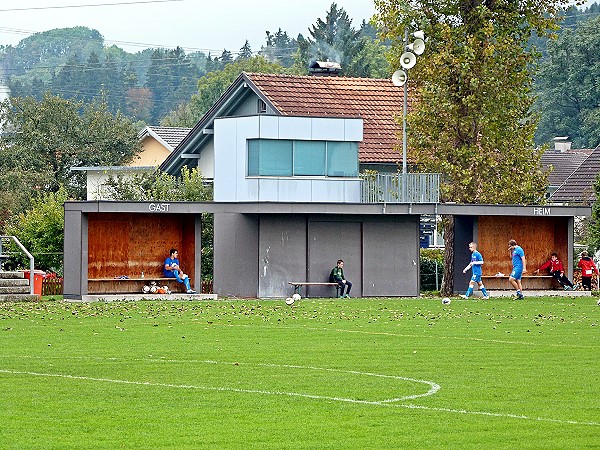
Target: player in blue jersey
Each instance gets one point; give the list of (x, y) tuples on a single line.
[(475, 266), (519, 264)]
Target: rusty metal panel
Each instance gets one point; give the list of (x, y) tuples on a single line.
[(129, 244), (539, 237)]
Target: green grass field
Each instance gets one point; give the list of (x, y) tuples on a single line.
[(324, 373)]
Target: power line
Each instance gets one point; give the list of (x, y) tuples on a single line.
[(32, 8)]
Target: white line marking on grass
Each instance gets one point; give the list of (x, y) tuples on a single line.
[(456, 338), (295, 394), (433, 387), (186, 386)]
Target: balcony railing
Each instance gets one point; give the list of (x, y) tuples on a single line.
[(399, 188)]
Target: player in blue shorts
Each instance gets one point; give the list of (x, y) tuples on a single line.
[(519, 264), (475, 266)]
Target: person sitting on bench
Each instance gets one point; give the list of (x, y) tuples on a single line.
[(172, 270), (337, 276), (557, 271)]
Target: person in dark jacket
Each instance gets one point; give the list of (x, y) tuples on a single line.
[(557, 271), (337, 276), (588, 269)]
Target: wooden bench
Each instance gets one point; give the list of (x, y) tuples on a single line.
[(130, 285), (298, 284), (535, 282)]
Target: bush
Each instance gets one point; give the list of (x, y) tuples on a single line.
[(41, 231), (429, 259)]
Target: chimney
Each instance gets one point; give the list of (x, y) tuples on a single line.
[(325, 69), (562, 144)]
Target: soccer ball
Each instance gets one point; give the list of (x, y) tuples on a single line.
[(296, 297), (598, 302), (289, 301), (446, 301), (146, 289)]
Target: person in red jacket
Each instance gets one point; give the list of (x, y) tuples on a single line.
[(557, 271), (588, 269)]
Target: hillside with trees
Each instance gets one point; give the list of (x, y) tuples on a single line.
[(147, 86)]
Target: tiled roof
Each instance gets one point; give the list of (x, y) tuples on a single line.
[(376, 101), (579, 186), (563, 164), (171, 135)]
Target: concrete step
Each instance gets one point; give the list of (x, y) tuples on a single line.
[(19, 298), (5, 298), (4, 275), (8, 282), (14, 289), (135, 297), (536, 293)]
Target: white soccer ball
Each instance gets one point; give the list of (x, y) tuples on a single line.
[(446, 301), (296, 297), (289, 301), (146, 289), (598, 302)]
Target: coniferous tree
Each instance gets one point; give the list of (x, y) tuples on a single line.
[(245, 51), (280, 48), (226, 57), (333, 39)]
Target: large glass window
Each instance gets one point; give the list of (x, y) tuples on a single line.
[(342, 159), (268, 157), (285, 158), (309, 158)]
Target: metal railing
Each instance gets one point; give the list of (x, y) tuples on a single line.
[(29, 255), (400, 188)]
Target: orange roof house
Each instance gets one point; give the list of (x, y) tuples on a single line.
[(376, 101)]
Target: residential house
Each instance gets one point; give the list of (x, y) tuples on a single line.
[(157, 144), (562, 161), (376, 101), (578, 187)]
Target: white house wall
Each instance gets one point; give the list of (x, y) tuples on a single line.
[(230, 149), (206, 162)]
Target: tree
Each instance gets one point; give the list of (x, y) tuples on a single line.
[(335, 39), (245, 51), (46, 138), (171, 78), (41, 230), (567, 87), (332, 39), (212, 85), (280, 48), (226, 57), (471, 119)]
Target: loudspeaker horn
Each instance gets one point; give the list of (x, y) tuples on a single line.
[(418, 47), (419, 35), (408, 60), (399, 77)]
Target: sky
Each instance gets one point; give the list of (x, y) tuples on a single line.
[(195, 25)]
